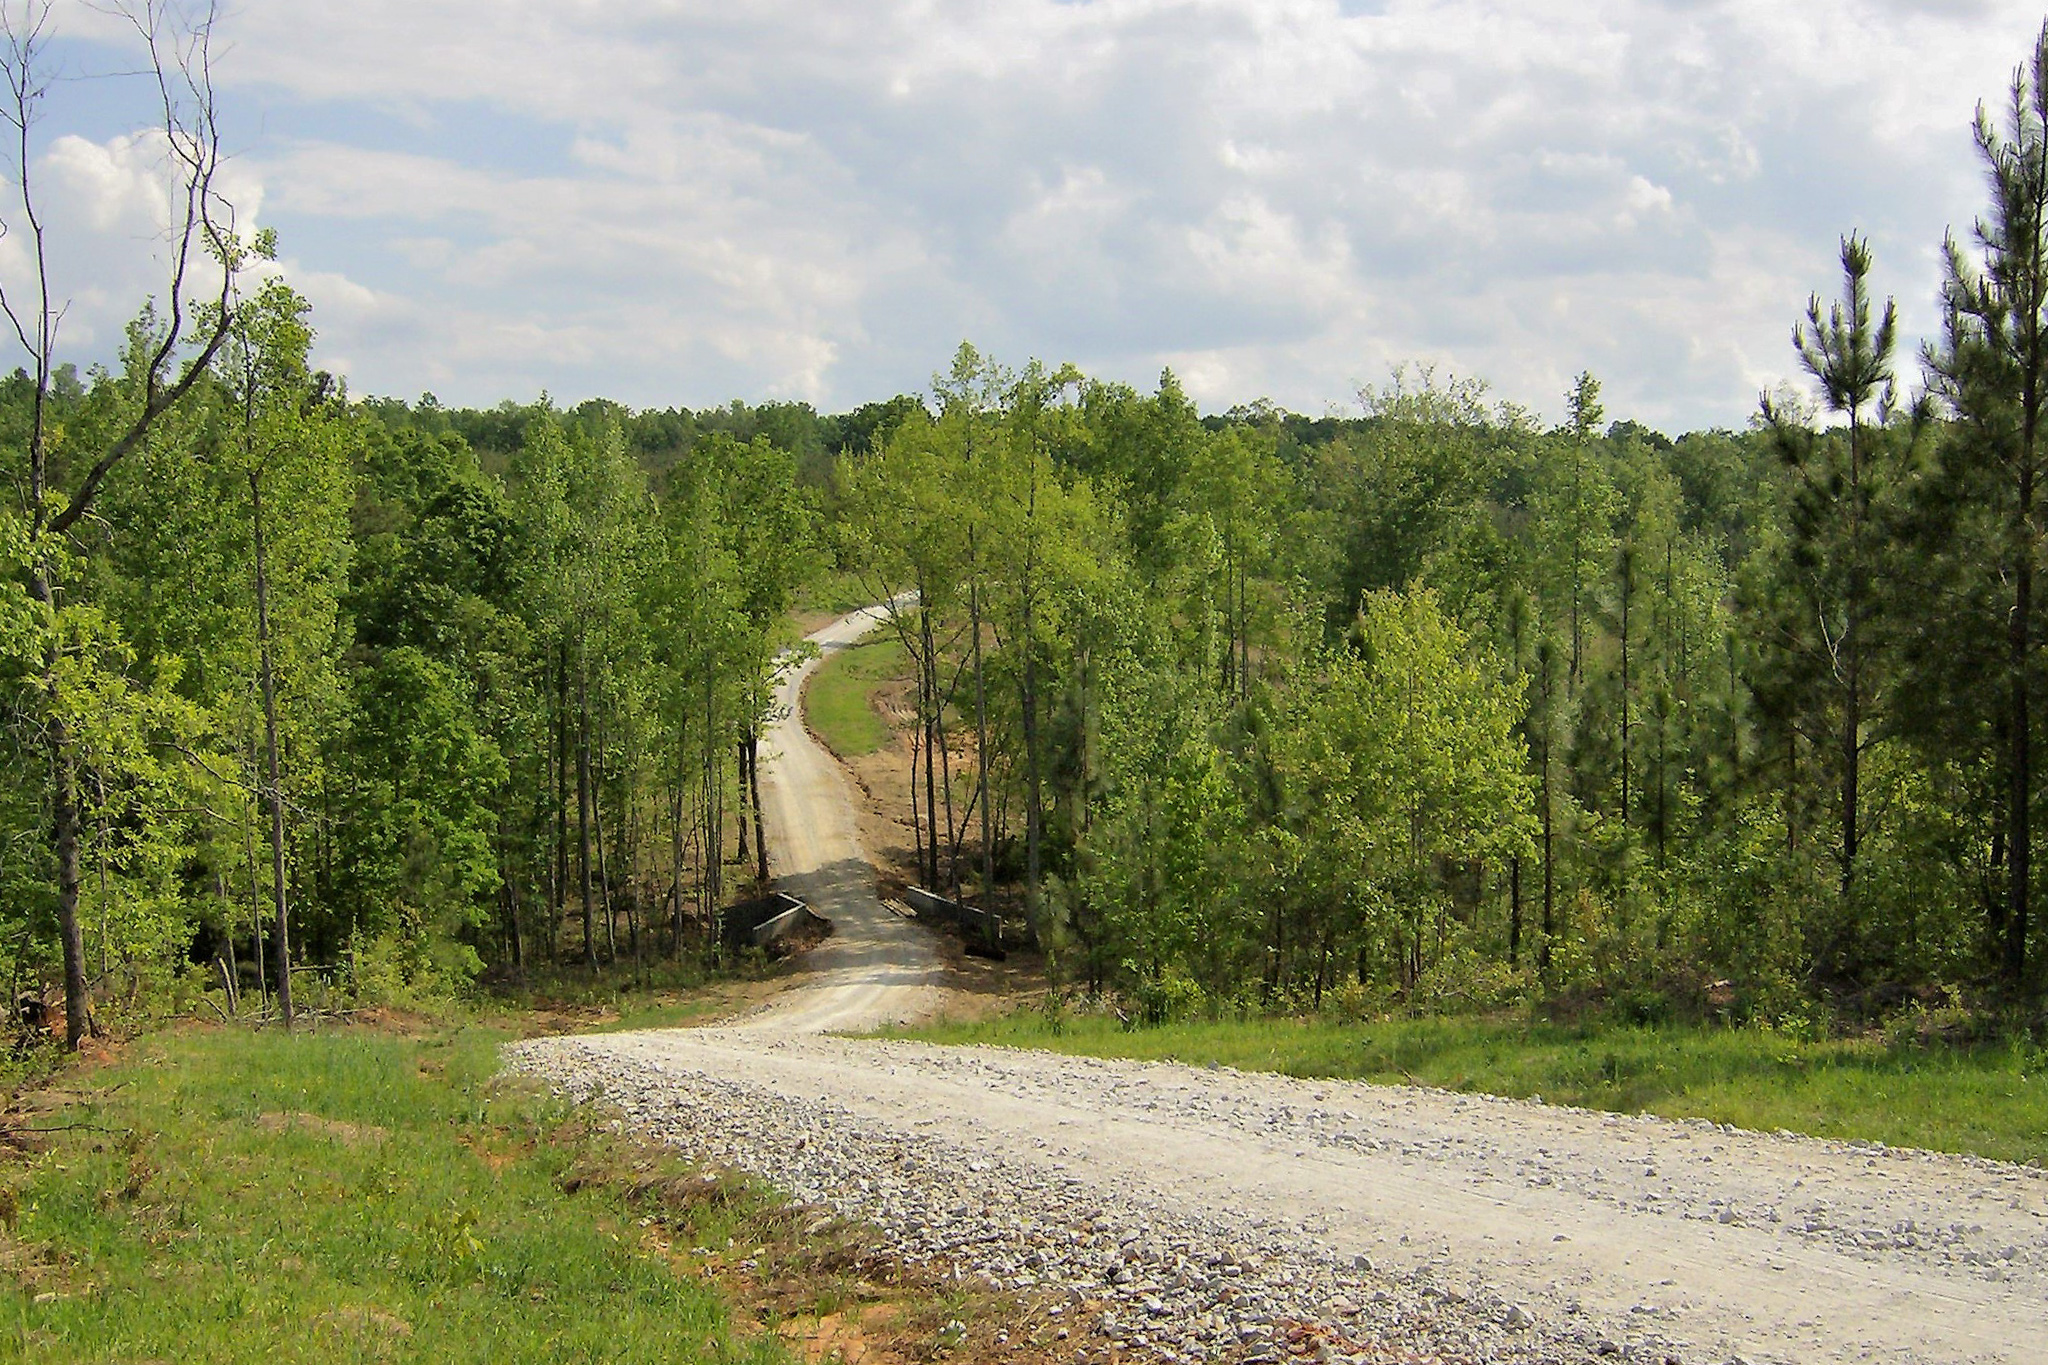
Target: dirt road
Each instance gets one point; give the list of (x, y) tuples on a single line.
[(876, 968), (1453, 1227)]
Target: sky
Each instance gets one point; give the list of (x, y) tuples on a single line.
[(670, 202)]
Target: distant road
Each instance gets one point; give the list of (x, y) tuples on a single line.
[(876, 968)]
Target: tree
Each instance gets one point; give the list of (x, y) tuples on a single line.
[(170, 353), (1583, 422), (1831, 637), (1406, 756), (1991, 369), (288, 443), (970, 398)]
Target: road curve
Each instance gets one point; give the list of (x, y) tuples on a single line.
[(1608, 1235)]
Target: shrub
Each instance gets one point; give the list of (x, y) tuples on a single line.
[(1168, 996)]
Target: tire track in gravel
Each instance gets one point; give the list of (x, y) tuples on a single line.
[(1450, 1226)]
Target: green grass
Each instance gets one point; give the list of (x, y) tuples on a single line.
[(837, 700), (349, 1196), (1992, 1101)]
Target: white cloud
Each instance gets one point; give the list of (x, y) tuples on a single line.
[(112, 213), (685, 200)]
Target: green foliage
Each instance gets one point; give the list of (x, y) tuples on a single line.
[(448, 644)]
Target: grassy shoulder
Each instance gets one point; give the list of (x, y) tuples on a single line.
[(839, 699), (1991, 1101), (367, 1194)]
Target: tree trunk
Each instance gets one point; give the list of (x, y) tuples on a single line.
[(559, 890), (514, 943), (629, 859), (1034, 813), (918, 749), (1549, 846), (739, 747), (714, 811), (604, 876), (1578, 556), (255, 902), (676, 842), (1627, 594), (1514, 909), (276, 787), (1227, 673), (2019, 796), (754, 780), (508, 875), (988, 848), (1323, 967), (64, 831), (234, 968), (1664, 708), (64, 802), (1853, 652), (1852, 779), (583, 812), (954, 833), (934, 734)]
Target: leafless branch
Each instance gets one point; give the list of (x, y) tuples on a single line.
[(181, 53), (22, 61)]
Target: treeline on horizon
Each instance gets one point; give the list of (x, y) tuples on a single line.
[(1433, 707)]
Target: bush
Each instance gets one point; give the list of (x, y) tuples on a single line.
[(1168, 996), (404, 970), (1463, 982), (1353, 1002)]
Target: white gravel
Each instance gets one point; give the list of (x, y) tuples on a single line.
[(1455, 1227), (1189, 1284), (1213, 1211)]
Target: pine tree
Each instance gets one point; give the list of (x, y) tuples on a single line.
[(1831, 635), (1991, 368)]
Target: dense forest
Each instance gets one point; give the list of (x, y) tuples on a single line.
[(1434, 706), (329, 671)]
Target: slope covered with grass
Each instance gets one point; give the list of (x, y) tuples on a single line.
[(360, 1196), (839, 699), (1992, 1100)]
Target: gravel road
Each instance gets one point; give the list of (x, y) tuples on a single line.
[(1208, 1214)]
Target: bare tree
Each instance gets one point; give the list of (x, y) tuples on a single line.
[(200, 240)]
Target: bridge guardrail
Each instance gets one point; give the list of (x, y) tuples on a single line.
[(759, 922)]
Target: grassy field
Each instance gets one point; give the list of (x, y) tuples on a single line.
[(223, 1196), (1992, 1101), (368, 1195), (836, 702)]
